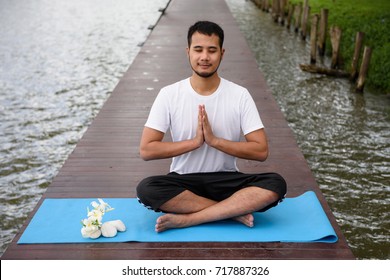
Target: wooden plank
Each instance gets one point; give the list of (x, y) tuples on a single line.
[(106, 163)]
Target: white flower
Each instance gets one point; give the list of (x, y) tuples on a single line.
[(101, 206), (89, 233), (95, 215), (92, 225)]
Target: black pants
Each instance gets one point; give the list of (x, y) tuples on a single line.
[(156, 190)]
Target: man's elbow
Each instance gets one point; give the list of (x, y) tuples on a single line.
[(144, 154), (263, 155)]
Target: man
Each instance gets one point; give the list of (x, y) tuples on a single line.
[(206, 115)]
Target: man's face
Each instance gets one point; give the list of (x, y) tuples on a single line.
[(205, 54)]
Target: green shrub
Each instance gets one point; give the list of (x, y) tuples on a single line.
[(371, 17)]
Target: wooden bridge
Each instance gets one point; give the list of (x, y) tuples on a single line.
[(106, 161)]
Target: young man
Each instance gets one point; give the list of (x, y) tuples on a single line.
[(206, 115)]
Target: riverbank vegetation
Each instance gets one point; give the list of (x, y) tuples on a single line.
[(370, 17)]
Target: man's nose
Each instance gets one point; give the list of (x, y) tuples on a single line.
[(204, 55)]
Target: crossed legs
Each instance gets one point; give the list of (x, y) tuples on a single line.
[(191, 209), (209, 197)]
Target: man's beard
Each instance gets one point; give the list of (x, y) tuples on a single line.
[(206, 75)]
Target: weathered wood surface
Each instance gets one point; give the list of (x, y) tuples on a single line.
[(323, 31), (106, 161), (364, 69), (356, 55), (335, 39), (312, 68), (313, 39)]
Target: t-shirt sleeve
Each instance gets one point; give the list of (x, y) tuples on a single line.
[(159, 113), (250, 117)]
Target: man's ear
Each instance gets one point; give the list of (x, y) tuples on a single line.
[(188, 51)]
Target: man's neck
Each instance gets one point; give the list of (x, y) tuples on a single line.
[(205, 86)]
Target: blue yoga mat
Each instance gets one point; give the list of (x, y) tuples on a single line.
[(299, 219)]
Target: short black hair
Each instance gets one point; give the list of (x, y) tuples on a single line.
[(207, 28)]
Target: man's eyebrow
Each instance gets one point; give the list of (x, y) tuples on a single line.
[(201, 47)]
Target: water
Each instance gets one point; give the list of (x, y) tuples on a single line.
[(60, 60), (344, 136)]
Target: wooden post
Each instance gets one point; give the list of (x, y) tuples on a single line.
[(298, 14), (282, 7), (313, 39), (305, 18), (266, 6), (291, 8), (356, 55), (260, 4), (323, 29), (335, 38), (305, 4), (364, 69), (275, 10)]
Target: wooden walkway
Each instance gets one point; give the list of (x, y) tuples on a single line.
[(106, 161)]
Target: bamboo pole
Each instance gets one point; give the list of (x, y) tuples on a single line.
[(322, 32), (275, 10), (305, 4), (291, 8), (282, 7), (265, 4), (311, 68), (305, 18), (356, 55), (335, 38), (364, 69), (313, 38), (298, 14)]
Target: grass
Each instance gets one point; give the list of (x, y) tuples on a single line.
[(371, 17)]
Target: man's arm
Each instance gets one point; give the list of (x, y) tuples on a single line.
[(255, 147), (152, 146)]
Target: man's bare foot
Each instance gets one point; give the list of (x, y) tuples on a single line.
[(247, 220), (168, 221)]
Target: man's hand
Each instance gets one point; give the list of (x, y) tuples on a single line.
[(199, 137), (152, 147), (207, 131), (254, 148)]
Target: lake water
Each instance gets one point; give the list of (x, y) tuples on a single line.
[(344, 136), (60, 60)]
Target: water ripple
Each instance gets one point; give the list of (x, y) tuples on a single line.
[(60, 60), (344, 136)]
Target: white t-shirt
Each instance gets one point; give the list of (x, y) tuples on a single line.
[(230, 110)]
